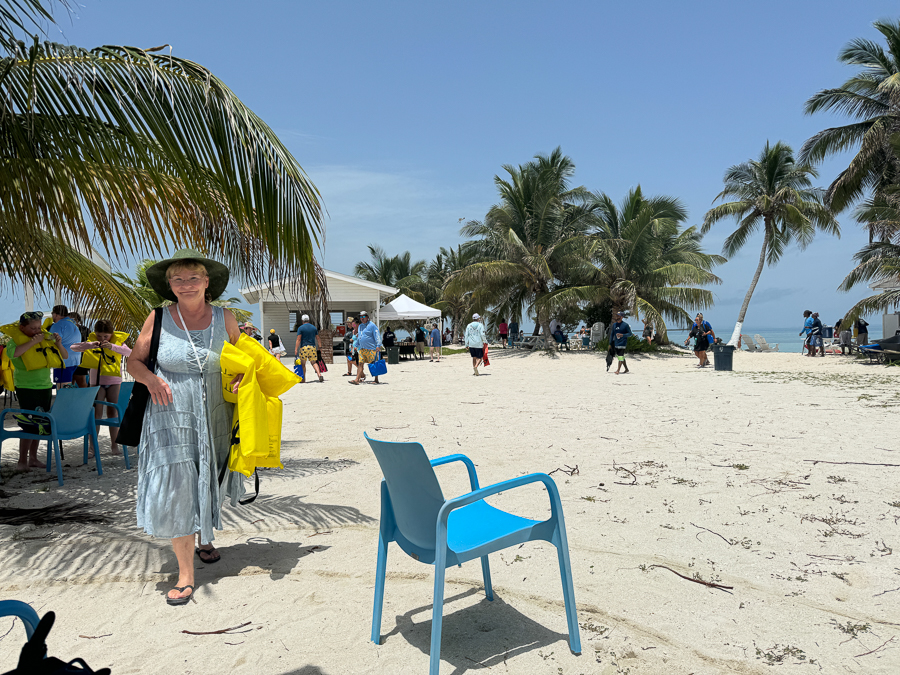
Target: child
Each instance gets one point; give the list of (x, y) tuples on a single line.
[(32, 355), (103, 357)]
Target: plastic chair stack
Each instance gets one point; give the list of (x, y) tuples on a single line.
[(72, 416), (120, 405), (444, 532)]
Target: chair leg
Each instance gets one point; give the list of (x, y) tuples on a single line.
[(58, 461), (96, 452), (51, 448), (565, 572), (379, 589), (486, 573), (86, 450), (437, 617), (125, 455)]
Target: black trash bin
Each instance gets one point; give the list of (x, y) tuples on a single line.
[(393, 356), (723, 356)]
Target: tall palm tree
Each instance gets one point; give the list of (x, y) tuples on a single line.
[(639, 259), (872, 98), (456, 304), (133, 152), (776, 193), (876, 262), (526, 241), (399, 271)]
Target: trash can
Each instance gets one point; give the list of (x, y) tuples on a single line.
[(585, 342), (393, 356), (723, 355)]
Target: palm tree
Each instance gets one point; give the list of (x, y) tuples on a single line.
[(878, 261), (140, 287), (872, 98), (775, 192), (132, 151), (399, 271), (457, 304), (639, 259), (526, 241)]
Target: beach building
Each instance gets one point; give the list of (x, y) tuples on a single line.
[(279, 308), (890, 320)]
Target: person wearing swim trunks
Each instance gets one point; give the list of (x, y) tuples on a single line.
[(305, 349), (476, 339), (369, 344), (620, 333)]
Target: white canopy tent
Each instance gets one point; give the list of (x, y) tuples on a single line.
[(404, 308)]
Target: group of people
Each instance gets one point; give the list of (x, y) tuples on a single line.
[(83, 358), (422, 337), (814, 332)]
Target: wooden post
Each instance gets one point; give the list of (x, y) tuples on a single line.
[(325, 337)]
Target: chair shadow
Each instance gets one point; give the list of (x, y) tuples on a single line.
[(306, 670), (275, 558), (483, 635)]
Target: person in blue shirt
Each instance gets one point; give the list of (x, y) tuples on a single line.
[(703, 335), (807, 331), (306, 347), (435, 343), (619, 334), (368, 341), (69, 335)]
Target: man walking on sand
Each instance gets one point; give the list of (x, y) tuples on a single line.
[(305, 347), (476, 339), (368, 341), (619, 334)]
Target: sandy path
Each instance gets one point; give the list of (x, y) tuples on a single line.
[(660, 454)]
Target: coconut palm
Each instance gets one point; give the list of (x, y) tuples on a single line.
[(776, 193), (872, 98), (639, 259), (455, 305), (134, 152), (139, 286), (526, 242), (878, 261), (399, 271)]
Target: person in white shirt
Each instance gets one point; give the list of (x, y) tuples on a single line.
[(476, 339)]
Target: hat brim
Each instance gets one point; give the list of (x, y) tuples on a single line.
[(218, 274)]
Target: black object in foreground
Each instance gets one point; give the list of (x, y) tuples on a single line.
[(32, 660)]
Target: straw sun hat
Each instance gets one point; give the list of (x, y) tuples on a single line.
[(218, 274)]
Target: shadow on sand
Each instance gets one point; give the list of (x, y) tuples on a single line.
[(483, 635)]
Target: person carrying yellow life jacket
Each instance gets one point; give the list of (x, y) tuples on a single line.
[(6, 372), (44, 355), (106, 361), (256, 424)]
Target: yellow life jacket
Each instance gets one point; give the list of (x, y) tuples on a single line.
[(107, 361), (6, 372), (43, 355), (256, 423)]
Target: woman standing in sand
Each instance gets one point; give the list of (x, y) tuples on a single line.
[(186, 432), (702, 334)]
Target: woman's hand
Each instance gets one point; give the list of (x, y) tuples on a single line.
[(159, 391), (57, 338), (105, 345), (236, 382)]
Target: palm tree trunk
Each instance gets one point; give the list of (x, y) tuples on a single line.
[(735, 336)]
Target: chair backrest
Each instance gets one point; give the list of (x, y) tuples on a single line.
[(73, 409), (23, 611), (416, 495), (124, 395)]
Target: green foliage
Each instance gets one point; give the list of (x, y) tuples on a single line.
[(137, 152)]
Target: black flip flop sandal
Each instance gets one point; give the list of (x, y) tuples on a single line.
[(180, 601), (201, 551)]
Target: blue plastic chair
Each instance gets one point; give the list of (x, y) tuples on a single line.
[(23, 611), (444, 532), (120, 405), (72, 416)]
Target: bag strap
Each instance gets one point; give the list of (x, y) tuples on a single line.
[(154, 338)]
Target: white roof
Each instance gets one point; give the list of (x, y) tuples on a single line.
[(329, 275), (404, 307), (886, 285)]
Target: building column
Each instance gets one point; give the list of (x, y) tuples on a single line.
[(262, 319)]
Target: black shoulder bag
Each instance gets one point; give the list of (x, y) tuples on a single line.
[(133, 419)]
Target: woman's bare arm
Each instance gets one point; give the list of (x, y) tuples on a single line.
[(231, 326)]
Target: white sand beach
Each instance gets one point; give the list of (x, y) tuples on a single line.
[(711, 474)]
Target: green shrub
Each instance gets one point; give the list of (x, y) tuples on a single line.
[(635, 346)]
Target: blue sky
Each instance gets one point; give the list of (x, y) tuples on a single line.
[(403, 112)]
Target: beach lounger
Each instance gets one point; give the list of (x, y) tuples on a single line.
[(765, 346), (446, 532), (70, 417), (748, 342)]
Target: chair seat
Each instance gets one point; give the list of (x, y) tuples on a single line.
[(479, 523)]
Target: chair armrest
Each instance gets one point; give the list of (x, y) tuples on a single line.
[(109, 403), (10, 411), (470, 467), (478, 495)]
